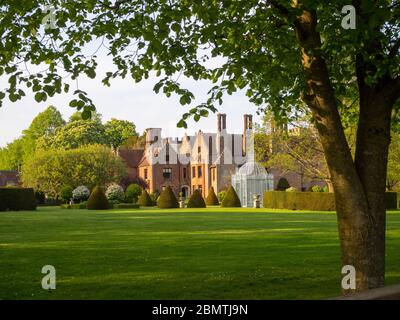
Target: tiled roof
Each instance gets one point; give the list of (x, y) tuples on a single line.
[(131, 157), (9, 177)]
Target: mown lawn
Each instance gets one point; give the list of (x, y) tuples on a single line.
[(185, 254)]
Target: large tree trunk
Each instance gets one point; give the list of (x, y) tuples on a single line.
[(359, 187)]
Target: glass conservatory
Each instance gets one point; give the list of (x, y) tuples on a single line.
[(252, 179)]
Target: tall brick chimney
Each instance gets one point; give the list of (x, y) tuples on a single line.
[(223, 121), (250, 121), (219, 122)]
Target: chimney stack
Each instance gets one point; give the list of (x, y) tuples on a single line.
[(219, 122), (247, 122), (223, 121)]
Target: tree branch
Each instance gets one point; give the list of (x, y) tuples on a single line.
[(395, 49)]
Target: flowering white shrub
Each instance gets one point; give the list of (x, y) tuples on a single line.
[(80, 194), (115, 192)]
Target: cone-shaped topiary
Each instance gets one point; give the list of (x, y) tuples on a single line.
[(231, 199), (97, 200), (167, 199), (196, 200), (283, 184), (144, 199), (212, 199)]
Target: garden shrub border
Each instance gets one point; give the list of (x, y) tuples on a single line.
[(391, 200), (125, 206), (74, 206), (16, 199), (314, 201)]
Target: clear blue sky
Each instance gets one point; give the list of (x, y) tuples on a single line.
[(126, 100)]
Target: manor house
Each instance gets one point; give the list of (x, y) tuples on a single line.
[(200, 162)]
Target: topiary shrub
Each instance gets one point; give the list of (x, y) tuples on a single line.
[(154, 197), (66, 193), (80, 194), (145, 200), (231, 199), (115, 192), (212, 199), (283, 184), (196, 200), (167, 199), (221, 195), (291, 189), (132, 193), (317, 189), (97, 200)]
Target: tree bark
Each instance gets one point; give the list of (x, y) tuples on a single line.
[(329, 185), (359, 187)]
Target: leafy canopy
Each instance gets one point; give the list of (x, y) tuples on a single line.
[(50, 170), (119, 131), (254, 39), (43, 125)]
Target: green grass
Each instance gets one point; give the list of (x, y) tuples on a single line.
[(177, 254)]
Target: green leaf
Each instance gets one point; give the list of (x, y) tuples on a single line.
[(73, 103), (38, 97), (182, 124), (86, 114)]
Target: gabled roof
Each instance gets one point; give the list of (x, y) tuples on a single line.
[(131, 157)]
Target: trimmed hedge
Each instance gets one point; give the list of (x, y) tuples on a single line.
[(231, 199), (125, 206), (16, 199), (167, 199), (314, 201), (212, 199), (196, 200), (97, 200), (391, 200), (145, 199), (74, 206)]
